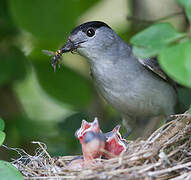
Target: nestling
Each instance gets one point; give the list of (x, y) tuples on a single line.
[(91, 139)]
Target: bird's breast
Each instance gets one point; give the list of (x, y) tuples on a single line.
[(132, 89), (114, 84)]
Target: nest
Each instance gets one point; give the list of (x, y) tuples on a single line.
[(166, 154)]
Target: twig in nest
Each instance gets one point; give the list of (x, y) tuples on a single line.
[(43, 147), (169, 170)]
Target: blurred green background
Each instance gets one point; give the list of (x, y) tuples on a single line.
[(39, 104)]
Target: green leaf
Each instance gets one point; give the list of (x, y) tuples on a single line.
[(155, 35), (2, 125), (2, 137), (65, 85), (176, 61), (12, 66), (187, 6), (48, 20), (145, 52), (9, 172), (154, 38), (182, 2)]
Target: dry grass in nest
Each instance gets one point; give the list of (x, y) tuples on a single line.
[(166, 154)]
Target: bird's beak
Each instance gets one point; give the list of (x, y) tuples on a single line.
[(68, 47)]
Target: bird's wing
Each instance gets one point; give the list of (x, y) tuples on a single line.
[(153, 65)]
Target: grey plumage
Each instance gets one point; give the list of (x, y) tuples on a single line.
[(126, 82)]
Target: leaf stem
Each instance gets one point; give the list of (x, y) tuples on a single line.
[(133, 18)]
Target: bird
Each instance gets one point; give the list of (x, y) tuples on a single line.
[(92, 140), (93, 145), (115, 143), (137, 88)]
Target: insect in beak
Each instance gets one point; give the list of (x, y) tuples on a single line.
[(57, 56)]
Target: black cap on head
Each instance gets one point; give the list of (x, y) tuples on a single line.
[(85, 26)]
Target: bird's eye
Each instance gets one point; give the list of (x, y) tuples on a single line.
[(90, 32)]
